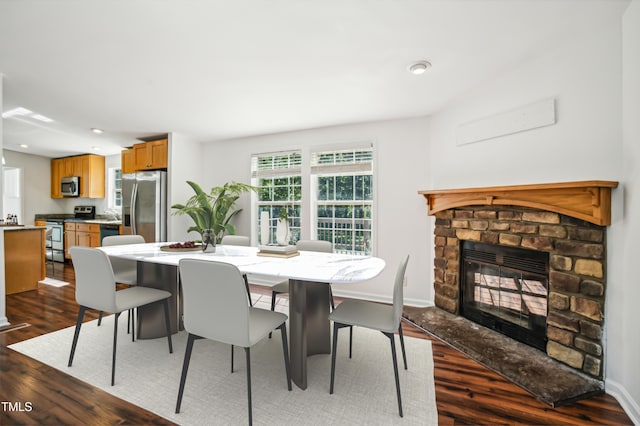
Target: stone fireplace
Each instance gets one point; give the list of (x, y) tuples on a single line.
[(564, 223)]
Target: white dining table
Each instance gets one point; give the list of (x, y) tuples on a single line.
[(309, 276)]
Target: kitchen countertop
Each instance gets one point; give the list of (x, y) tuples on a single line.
[(71, 218), (97, 221), (22, 227)]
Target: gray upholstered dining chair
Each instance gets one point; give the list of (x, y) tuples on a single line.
[(235, 240), (302, 245), (96, 289), (239, 240), (125, 270), (376, 316), (283, 286), (305, 245), (215, 308)]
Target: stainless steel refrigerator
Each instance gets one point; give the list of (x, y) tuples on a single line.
[(144, 205)]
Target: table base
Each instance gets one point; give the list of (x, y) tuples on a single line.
[(309, 325)]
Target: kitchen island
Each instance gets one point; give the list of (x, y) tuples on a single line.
[(24, 257)]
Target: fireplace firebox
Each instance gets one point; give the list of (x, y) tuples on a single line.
[(506, 289)]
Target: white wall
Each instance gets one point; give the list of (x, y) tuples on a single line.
[(401, 155), (623, 338), (583, 75), (3, 309), (186, 162), (584, 143), (36, 178)]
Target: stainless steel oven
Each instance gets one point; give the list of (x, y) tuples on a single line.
[(55, 240)]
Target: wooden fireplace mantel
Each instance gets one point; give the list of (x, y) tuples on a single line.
[(586, 200)]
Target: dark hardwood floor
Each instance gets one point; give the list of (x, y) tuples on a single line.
[(466, 392)]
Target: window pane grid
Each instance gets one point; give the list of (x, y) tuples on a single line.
[(341, 199), (344, 210), (277, 177)]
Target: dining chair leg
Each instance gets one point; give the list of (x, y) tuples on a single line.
[(333, 355), (115, 342), (350, 340), (167, 323), (395, 369), (99, 318), (231, 358), (76, 333), (404, 354), (246, 284), (273, 304), (185, 367), (130, 321), (333, 305), (285, 351), (248, 353)]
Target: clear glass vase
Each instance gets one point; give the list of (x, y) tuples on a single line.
[(208, 241)]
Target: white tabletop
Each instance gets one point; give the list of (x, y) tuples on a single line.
[(308, 266)]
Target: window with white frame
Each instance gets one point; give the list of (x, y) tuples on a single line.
[(342, 199), (278, 177), (114, 188), (339, 185)]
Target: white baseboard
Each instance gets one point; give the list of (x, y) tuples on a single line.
[(629, 405)]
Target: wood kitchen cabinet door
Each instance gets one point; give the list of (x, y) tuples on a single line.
[(128, 161), (69, 238), (88, 235), (24, 259), (151, 155), (80, 234), (89, 167), (57, 172)]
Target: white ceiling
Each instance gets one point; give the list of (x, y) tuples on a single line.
[(221, 69)]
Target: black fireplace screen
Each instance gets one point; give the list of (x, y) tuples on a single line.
[(506, 289)]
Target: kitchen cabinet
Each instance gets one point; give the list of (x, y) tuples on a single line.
[(152, 155), (57, 172), (128, 161), (80, 234), (24, 258), (90, 168)]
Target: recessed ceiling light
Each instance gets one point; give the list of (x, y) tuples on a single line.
[(24, 145), (94, 130), (96, 148), (419, 67)]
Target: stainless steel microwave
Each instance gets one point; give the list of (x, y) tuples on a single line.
[(70, 186)]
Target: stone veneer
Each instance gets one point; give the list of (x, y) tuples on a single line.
[(577, 263)]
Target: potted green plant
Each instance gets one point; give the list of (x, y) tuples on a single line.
[(212, 212)]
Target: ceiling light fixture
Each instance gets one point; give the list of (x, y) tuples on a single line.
[(95, 148), (24, 145), (41, 118), (94, 130), (419, 67), (16, 111)]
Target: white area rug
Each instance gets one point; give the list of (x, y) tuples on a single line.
[(53, 282), (148, 376)]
